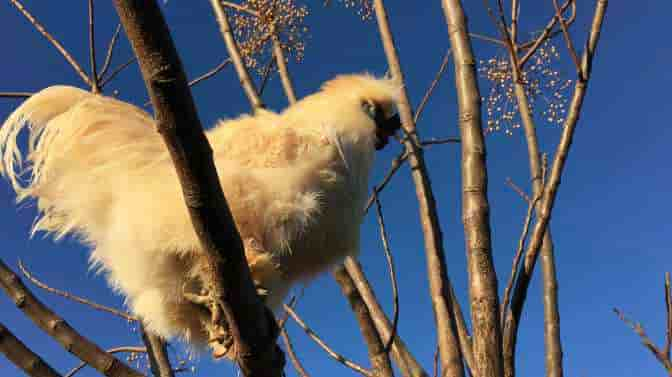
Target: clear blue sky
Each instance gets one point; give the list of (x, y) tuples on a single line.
[(611, 226)]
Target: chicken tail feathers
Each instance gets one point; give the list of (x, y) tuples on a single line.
[(78, 145)]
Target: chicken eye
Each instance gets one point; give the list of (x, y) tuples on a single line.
[(371, 109)]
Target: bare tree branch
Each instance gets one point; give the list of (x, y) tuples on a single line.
[(282, 68), (110, 52), (568, 38), (95, 88), (234, 53), (646, 341), (545, 34), (69, 296), (60, 330), (439, 283), (81, 365), (393, 275), (218, 68), (15, 94), (406, 362), (336, 356), (483, 292), (157, 354), (116, 71), (22, 356), (432, 86), (230, 291), (550, 191), (380, 361), (40, 28), (289, 348)]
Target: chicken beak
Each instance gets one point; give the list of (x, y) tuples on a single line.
[(386, 128)]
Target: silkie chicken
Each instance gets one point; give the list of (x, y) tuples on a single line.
[(296, 183)]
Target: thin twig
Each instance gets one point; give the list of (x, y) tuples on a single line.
[(72, 297), (668, 310), (518, 190), (636, 327), (15, 94), (23, 357), (266, 75), (517, 257), (432, 86), (395, 165), (117, 71), (218, 68), (40, 28), (393, 275), (568, 39), (59, 330), (81, 365), (545, 34), (435, 141), (289, 348), (486, 38), (95, 88), (241, 8), (336, 356), (110, 52)]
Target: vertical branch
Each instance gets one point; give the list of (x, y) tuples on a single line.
[(157, 354), (231, 294), (234, 52), (668, 310), (95, 88), (23, 357), (60, 330), (380, 361), (439, 283), (550, 191), (483, 293), (406, 362)]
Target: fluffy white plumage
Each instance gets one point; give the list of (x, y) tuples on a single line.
[(296, 183)]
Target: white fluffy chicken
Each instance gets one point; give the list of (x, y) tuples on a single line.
[(296, 183)]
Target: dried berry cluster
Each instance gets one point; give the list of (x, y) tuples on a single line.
[(256, 21), (364, 7), (546, 89)]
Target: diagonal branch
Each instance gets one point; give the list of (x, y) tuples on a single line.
[(289, 348), (22, 356), (380, 360), (110, 52), (72, 297), (646, 341), (439, 283), (406, 362), (336, 356), (42, 30), (231, 293), (234, 53), (60, 330)]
